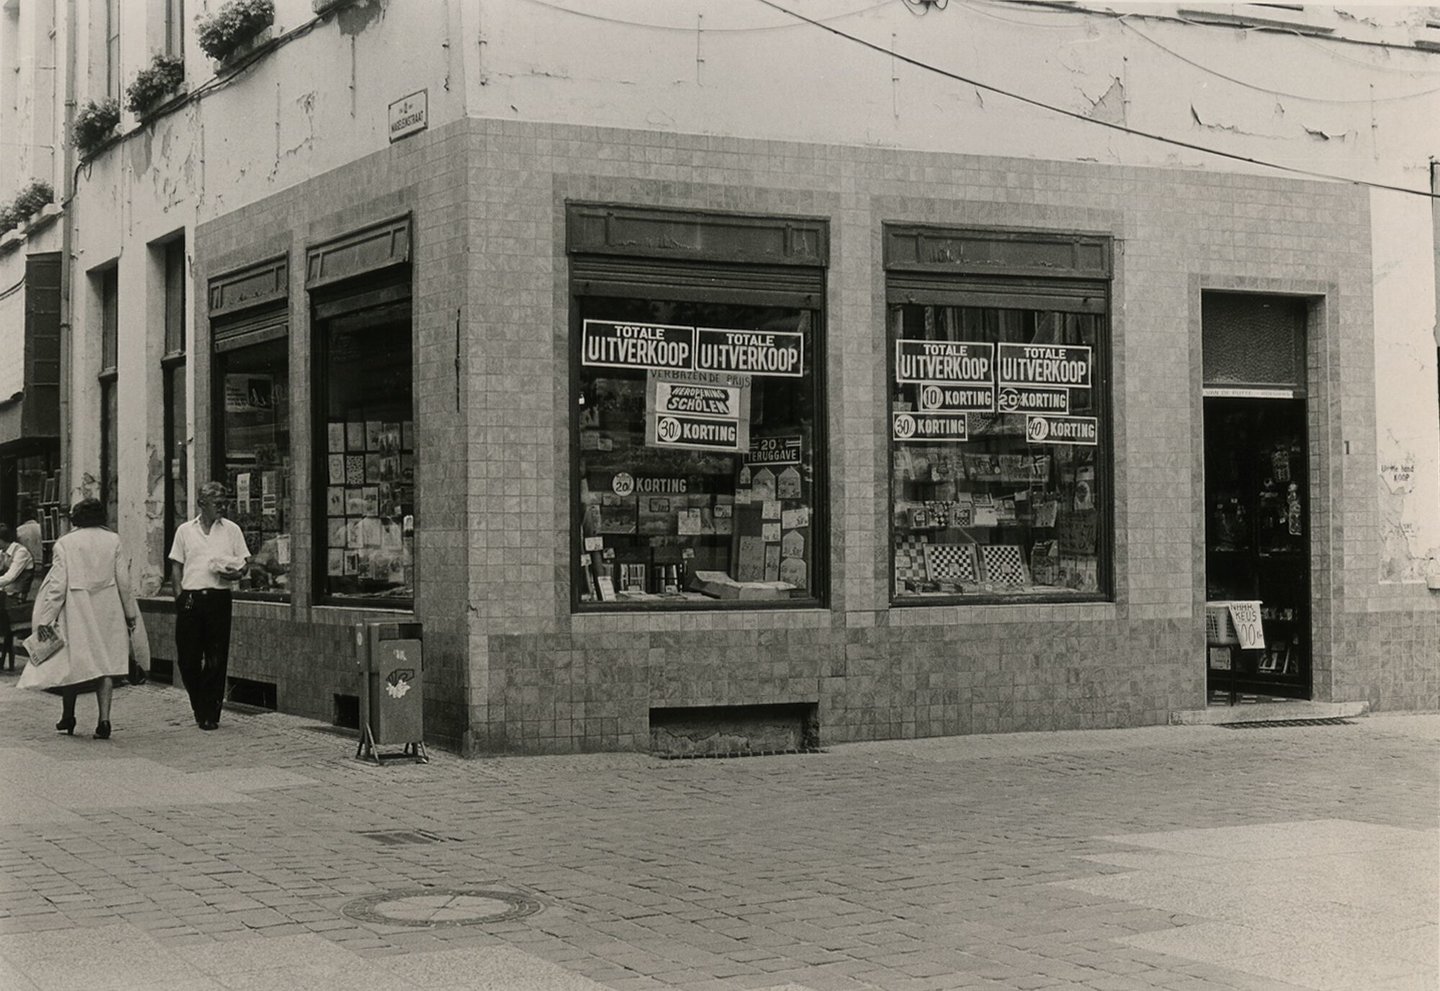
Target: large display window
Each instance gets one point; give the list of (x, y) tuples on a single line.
[(697, 422), (253, 454), (999, 432), (367, 436)]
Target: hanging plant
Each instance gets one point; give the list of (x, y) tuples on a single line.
[(235, 23), (152, 85), (93, 124), (28, 202)]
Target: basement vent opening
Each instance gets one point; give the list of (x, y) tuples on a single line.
[(347, 711), (690, 732), (1270, 724), (254, 694)]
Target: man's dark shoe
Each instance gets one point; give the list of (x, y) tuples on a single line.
[(209, 724)]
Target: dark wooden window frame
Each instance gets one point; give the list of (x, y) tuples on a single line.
[(1005, 269), (625, 251), (367, 269), (247, 306)]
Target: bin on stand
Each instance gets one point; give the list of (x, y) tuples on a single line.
[(390, 658)]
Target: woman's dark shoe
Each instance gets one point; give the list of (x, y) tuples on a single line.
[(66, 725), (102, 731)]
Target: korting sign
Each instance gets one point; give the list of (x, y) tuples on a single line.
[(1045, 364), (945, 397), (1062, 430), (1020, 400), (673, 399), (695, 433), (929, 426)]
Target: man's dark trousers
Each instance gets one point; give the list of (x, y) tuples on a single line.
[(202, 641)]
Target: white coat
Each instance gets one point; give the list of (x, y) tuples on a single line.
[(87, 596)]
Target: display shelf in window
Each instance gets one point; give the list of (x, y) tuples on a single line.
[(370, 505), (995, 468), (695, 485)]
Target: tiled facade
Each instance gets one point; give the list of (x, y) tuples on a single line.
[(510, 669)]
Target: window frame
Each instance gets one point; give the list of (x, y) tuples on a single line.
[(274, 327), (172, 370), (386, 289), (1006, 269), (108, 378), (628, 252)]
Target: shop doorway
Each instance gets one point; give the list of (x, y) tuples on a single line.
[(1257, 541), (1257, 495)]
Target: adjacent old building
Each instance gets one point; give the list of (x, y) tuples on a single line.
[(907, 370)]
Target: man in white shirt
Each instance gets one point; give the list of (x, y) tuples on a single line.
[(212, 555), (18, 569), (28, 533)]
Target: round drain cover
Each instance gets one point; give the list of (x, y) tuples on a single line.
[(431, 907)]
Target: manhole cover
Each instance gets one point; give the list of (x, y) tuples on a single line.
[(430, 907)]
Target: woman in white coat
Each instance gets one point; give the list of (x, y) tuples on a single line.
[(86, 600)]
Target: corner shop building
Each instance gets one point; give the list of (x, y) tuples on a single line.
[(478, 257)]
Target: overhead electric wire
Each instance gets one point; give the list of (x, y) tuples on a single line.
[(1265, 89), (1076, 115), (752, 29)]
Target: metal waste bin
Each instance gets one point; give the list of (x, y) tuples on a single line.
[(390, 658)]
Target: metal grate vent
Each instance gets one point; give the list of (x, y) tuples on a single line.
[(401, 837), (1331, 721), (739, 753)]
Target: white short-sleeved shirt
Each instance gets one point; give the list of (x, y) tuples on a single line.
[(198, 552)]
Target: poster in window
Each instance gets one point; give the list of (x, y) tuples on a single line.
[(354, 469), (390, 438), (334, 501), (372, 435), (372, 469), (355, 501), (335, 438), (336, 533), (335, 469), (354, 435), (335, 561), (248, 393)]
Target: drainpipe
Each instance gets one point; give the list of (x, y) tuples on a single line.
[(67, 240)]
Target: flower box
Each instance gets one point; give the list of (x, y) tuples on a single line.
[(235, 30), (154, 85), (93, 125)]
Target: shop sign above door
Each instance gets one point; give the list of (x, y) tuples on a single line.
[(409, 115)]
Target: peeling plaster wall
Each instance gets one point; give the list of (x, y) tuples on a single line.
[(1407, 419)]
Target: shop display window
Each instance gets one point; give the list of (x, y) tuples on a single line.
[(999, 453), (698, 453), (252, 395), (365, 419)]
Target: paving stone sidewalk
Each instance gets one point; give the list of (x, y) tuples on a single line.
[(265, 856)]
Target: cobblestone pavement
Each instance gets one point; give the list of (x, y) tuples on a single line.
[(1182, 858)]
